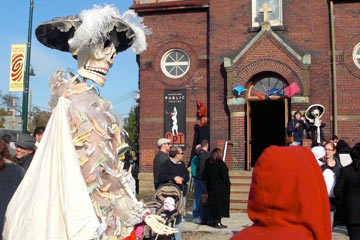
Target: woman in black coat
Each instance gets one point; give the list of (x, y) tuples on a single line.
[(10, 177), (347, 192), (218, 187)]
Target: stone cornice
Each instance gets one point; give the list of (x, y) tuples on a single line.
[(173, 5)]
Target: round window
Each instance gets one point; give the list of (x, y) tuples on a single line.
[(175, 63), (356, 55)]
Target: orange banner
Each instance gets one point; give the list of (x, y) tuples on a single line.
[(17, 67)]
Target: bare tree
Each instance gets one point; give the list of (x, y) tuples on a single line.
[(7, 102)]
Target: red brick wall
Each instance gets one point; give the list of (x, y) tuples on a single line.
[(306, 31), (224, 30), (185, 30), (347, 35)]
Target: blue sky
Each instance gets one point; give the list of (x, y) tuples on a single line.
[(122, 79)]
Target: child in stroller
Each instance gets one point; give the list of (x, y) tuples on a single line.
[(167, 204)]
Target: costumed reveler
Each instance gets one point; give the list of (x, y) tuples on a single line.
[(76, 187)]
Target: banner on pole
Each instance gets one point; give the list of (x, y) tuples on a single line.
[(175, 117), (17, 67)]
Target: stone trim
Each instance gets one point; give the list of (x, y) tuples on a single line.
[(236, 101), (154, 5), (300, 99), (348, 117), (273, 65), (266, 29), (237, 114), (151, 120)]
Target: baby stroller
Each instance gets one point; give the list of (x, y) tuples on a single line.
[(162, 205)]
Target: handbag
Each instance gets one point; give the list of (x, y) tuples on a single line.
[(289, 139)]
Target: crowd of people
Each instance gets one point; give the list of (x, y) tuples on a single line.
[(339, 164), (15, 159), (210, 179), (283, 191)]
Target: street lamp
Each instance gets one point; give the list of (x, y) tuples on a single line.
[(25, 101)]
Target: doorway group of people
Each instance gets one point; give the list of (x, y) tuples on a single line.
[(211, 186), (342, 179), (340, 168)]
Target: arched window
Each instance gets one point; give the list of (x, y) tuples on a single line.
[(267, 86)]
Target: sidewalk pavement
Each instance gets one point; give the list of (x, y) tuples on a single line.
[(235, 223), (239, 221)]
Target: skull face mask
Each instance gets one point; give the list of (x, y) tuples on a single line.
[(316, 113), (94, 62)]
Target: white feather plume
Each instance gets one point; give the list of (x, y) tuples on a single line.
[(98, 22), (136, 23)]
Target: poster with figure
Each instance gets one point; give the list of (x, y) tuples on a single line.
[(175, 116)]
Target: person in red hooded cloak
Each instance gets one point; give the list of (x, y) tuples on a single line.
[(288, 198)]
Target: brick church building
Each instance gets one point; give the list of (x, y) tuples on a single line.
[(203, 49)]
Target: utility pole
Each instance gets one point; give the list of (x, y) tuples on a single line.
[(27, 73), (13, 112), (30, 108)]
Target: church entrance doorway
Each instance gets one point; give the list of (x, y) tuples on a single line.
[(267, 116), (267, 126)]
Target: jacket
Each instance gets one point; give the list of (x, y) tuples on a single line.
[(288, 197), (159, 159), (347, 192), (218, 187), (297, 132), (10, 178), (204, 156), (169, 170)]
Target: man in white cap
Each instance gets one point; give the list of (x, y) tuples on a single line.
[(160, 158)]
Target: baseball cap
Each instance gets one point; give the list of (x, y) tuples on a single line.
[(162, 141)]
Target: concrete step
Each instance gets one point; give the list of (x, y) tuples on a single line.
[(238, 206), (239, 191), (239, 180), (238, 210), (241, 173), (239, 188), (239, 196)]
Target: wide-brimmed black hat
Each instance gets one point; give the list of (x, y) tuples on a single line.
[(308, 112), (57, 32)]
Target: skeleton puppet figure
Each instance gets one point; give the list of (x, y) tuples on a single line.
[(313, 114), (94, 37), (96, 132)]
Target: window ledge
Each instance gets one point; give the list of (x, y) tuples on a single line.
[(274, 28)]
